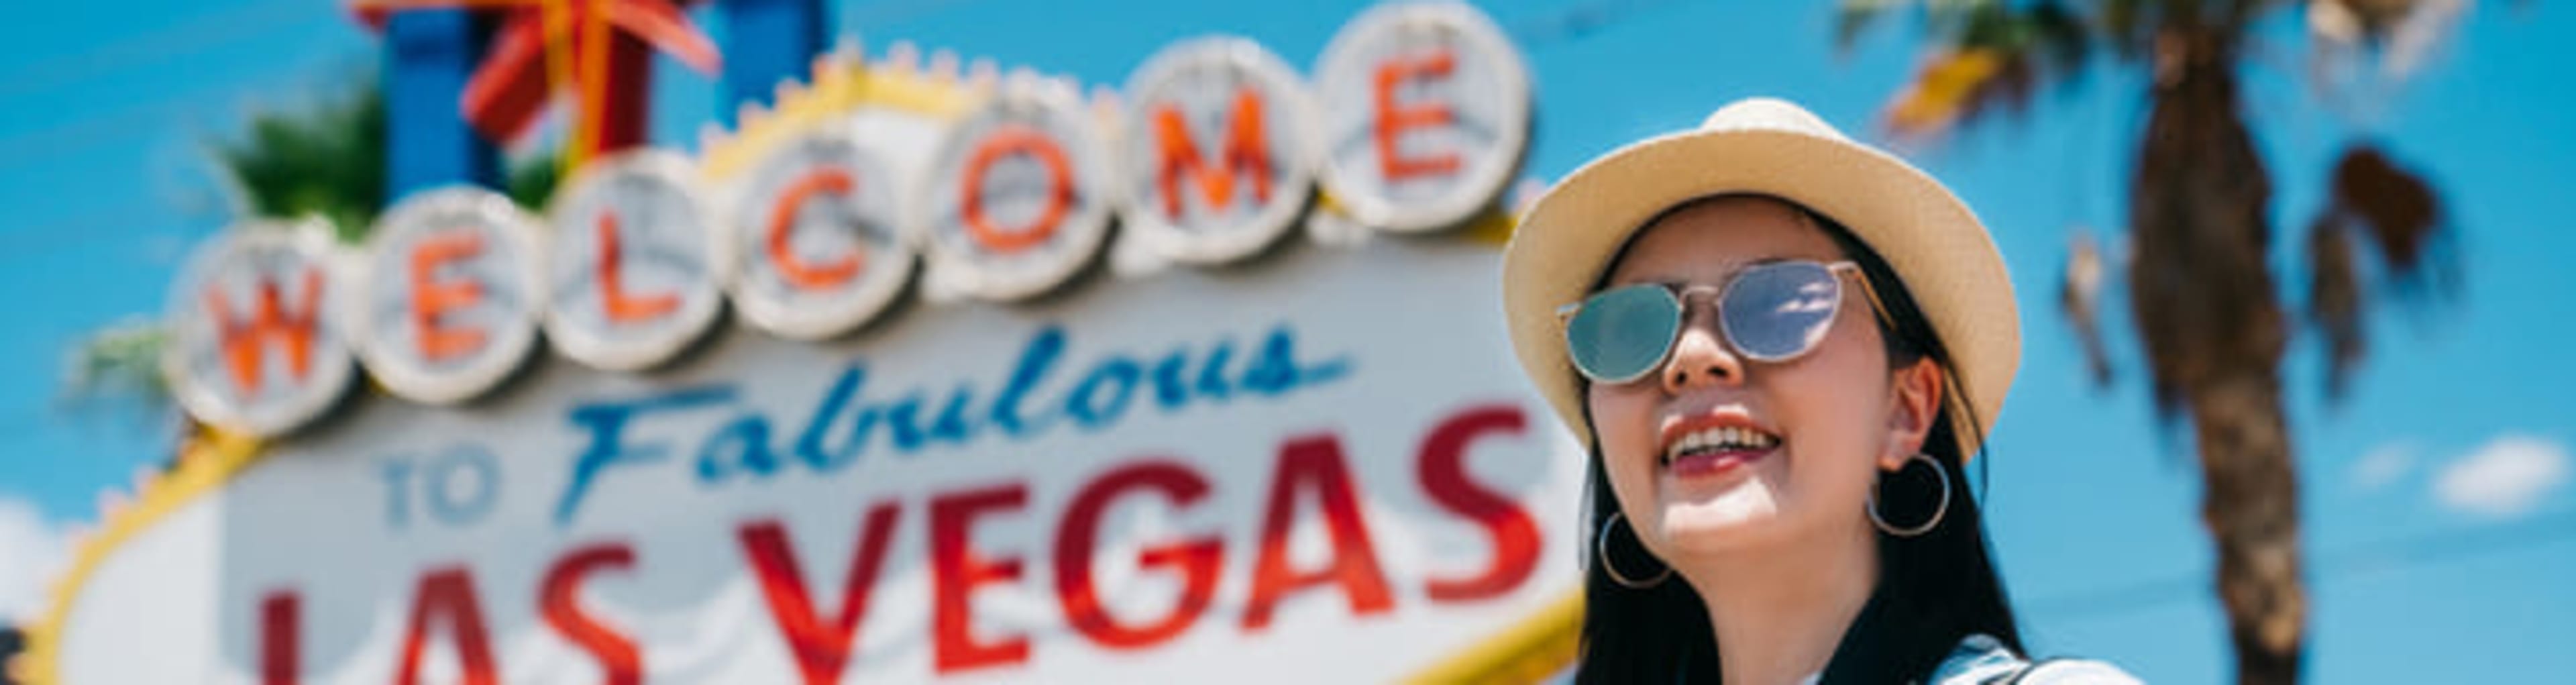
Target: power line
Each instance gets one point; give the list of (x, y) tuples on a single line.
[(2360, 559), (1577, 21)]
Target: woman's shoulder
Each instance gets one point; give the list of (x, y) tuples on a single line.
[(1983, 660)]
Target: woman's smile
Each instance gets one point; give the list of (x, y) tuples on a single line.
[(1714, 443)]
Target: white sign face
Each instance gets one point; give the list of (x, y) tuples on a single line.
[(449, 301), (258, 335), (817, 232), (1219, 141), (636, 267), (1426, 114), (1147, 480), (1019, 195)]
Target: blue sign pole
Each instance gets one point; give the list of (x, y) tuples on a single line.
[(429, 56), (767, 41)]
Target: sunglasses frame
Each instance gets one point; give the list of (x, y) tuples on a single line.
[(1681, 296)]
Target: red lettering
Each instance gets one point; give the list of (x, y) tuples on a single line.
[(279, 637), (957, 570), (432, 298), (1196, 560), (244, 340), (1244, 154), (448, 593), (559, 600), (1315, 463), (1393, 118), (822, 649), (782, 224), (1443, 473), (1003, 142), (613, 300)]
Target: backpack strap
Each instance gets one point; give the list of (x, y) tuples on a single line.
[(1983, 660), (2064, 671), (2021, 672)]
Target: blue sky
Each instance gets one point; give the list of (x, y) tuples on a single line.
[(2438, 511)]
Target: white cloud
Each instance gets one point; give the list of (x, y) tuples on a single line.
[(30, 552), (2507, 477), (2383, 466)]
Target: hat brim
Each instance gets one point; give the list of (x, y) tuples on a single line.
[(1932, 241)]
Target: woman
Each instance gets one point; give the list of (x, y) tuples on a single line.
[(1782, 348)]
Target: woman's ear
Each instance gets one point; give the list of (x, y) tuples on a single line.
[(1914, 404)]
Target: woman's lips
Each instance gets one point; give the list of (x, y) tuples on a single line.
[(1712, 463), (1714, 443)]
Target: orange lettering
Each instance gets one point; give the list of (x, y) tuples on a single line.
[(448, 593), (782, 220), (1442, 470), (1315, 462), (1393, 119), (822, 644), (559, 602), (431, 299), (1011, 140), (621, 307), (279, 643), (244, 340), (1244, 154)]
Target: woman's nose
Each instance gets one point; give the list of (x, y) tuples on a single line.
[(1699, 360)]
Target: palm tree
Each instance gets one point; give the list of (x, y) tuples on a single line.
[(2199, 264)]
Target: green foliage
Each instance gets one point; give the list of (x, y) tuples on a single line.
[(531, 182), (118, 367), (326, 161), (329, 161)]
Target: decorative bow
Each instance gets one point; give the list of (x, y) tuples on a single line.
[(547, 45)]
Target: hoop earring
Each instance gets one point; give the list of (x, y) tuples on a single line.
[(1938, 511), (1601, 545)]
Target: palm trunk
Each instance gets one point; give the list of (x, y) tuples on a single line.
[(2202, 291), (2250, 503)]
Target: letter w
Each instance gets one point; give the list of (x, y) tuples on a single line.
[(244, 340)]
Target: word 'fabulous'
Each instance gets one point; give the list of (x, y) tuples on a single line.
[(842, 423)]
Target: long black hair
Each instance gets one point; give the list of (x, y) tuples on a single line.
[(1934, 589)]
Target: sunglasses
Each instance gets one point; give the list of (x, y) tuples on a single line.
[(1770, 312)]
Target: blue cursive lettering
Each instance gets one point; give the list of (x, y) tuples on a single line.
[(844, 422), (606, 421)]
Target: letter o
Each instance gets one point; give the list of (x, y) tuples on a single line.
[(1003, 142), (481, 486)]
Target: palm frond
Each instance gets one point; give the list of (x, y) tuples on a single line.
[(2396, 36), (117, 369), (531, 182), (2396, 214), (2079, 299), (328, 160), (1854, 17), (1991, 56)]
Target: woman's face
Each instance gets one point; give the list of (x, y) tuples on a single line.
[(1831, 417)]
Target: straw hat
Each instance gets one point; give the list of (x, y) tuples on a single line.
[(1771, 147)]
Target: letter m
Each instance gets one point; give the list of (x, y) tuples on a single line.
[(1243, 150)]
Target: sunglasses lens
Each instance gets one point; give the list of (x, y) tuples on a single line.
[(1622, 333), (1778, 311)]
